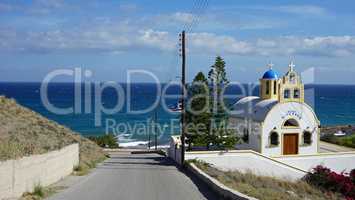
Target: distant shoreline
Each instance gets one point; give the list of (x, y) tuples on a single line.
[(150, 83), (330, 129), (333, 105)]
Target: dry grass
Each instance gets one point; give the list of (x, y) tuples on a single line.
[(24, 132), (267, 188), (41, 192)]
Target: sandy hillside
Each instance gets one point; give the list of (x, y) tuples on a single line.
[(24, 132)]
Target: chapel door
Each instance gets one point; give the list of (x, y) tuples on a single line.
[(290, 144)]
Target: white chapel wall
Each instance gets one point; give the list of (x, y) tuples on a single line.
[(248, 161), (337, 162), (275, 119)]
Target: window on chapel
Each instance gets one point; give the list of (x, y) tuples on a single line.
[(292, 78), (287, 94), (296, 93), (274, 138), (291, 123), (246, 135), (307, 137)]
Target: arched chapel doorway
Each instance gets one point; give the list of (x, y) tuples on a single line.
[(290, 143)]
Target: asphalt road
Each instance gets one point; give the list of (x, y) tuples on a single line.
[(133, 177), (326, 147)]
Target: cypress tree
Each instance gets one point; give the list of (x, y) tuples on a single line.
[(198, 113), (221, 136)]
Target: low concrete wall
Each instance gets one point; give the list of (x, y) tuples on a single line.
[(22, 175), (337, 162), (216, 186), (247, 160), (174, 152)]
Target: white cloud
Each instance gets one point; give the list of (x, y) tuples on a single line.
[(99, 39), (209, 42), (302, 9), (35, 7), (342, 41), (305, 9), (128, 35), (330, 46), (156, 39), (339, 46), (265, 43), (170, 20), (261, 17), (182, 17)]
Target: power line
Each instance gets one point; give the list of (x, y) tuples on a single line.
[(197, 12), (198, 9)]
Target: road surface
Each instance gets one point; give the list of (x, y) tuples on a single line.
[(326, 147), (133, 177)]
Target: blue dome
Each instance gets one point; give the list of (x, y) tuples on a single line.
[(270, 74)]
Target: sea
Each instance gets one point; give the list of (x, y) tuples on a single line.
[(129, 112)]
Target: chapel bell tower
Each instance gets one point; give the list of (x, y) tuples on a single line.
[(291, 87), (269, 84), (288, 88)]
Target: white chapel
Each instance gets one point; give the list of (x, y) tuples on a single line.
[(278, 121)]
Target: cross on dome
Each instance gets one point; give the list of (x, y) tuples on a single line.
[(291, 66), (270, 65)]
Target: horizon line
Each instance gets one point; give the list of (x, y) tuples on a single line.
[(67, 82)]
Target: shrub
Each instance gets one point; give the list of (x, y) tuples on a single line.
[(325, 178), (319, 176), (329, 138), (266, 188), (352, 176), (38, 191), (81, 170), (348, 141), (105, 141)]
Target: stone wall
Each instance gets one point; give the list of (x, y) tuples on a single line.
[(22, 175)]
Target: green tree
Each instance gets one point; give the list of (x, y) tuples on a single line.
[(105, 141), (198, 112), (221, 136)]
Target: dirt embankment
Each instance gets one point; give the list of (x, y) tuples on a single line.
[(24, 132)]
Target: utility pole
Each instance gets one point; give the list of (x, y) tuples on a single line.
[(183, 84), (156, 129), (149, 138)]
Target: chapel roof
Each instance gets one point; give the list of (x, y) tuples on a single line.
[(253, 107), (270, 74)]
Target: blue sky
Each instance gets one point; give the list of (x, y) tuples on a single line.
[(110, 37)]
